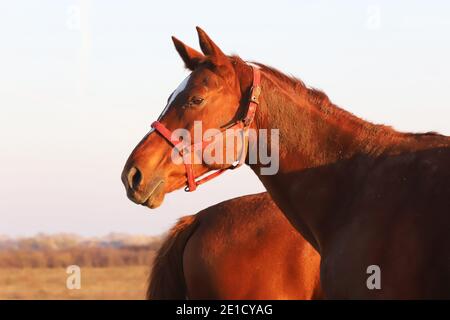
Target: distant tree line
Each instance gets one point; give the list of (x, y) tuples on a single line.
[(86, 257), (32, 254)]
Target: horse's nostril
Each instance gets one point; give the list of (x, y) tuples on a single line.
[(134, 178)]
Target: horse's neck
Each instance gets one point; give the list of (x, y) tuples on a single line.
[(313, 133)]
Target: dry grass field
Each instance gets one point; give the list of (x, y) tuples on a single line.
[(115, 266), (125, 282)]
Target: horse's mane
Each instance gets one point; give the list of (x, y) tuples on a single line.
[(320, 100), (297, 85)]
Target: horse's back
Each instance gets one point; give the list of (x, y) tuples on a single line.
[(245, 248)]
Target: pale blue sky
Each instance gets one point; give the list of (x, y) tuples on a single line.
[(76, 95)]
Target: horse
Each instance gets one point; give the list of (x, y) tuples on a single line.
[(373, 201), (243, 248)]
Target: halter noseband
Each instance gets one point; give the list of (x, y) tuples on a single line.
[(242, 124)]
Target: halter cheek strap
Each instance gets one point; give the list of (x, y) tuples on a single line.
[(242, 124)]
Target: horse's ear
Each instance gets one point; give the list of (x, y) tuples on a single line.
[(210, 49), (191, 57)]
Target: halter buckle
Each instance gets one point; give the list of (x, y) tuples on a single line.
[(235, 165), (254, 94)]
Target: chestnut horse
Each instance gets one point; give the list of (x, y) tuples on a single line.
[(373, 201), (243, 248)]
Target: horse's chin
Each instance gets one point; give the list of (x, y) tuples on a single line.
[(156, 198), (154, 203)]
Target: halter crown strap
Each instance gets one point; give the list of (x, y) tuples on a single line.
[(242, 124)]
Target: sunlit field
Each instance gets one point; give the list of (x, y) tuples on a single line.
[(128, 282), (115, 266)]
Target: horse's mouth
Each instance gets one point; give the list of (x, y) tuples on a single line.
[(156, 195)]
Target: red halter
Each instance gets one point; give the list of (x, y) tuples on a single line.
[(242, 124)]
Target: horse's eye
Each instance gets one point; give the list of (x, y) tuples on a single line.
[(197, 100)]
